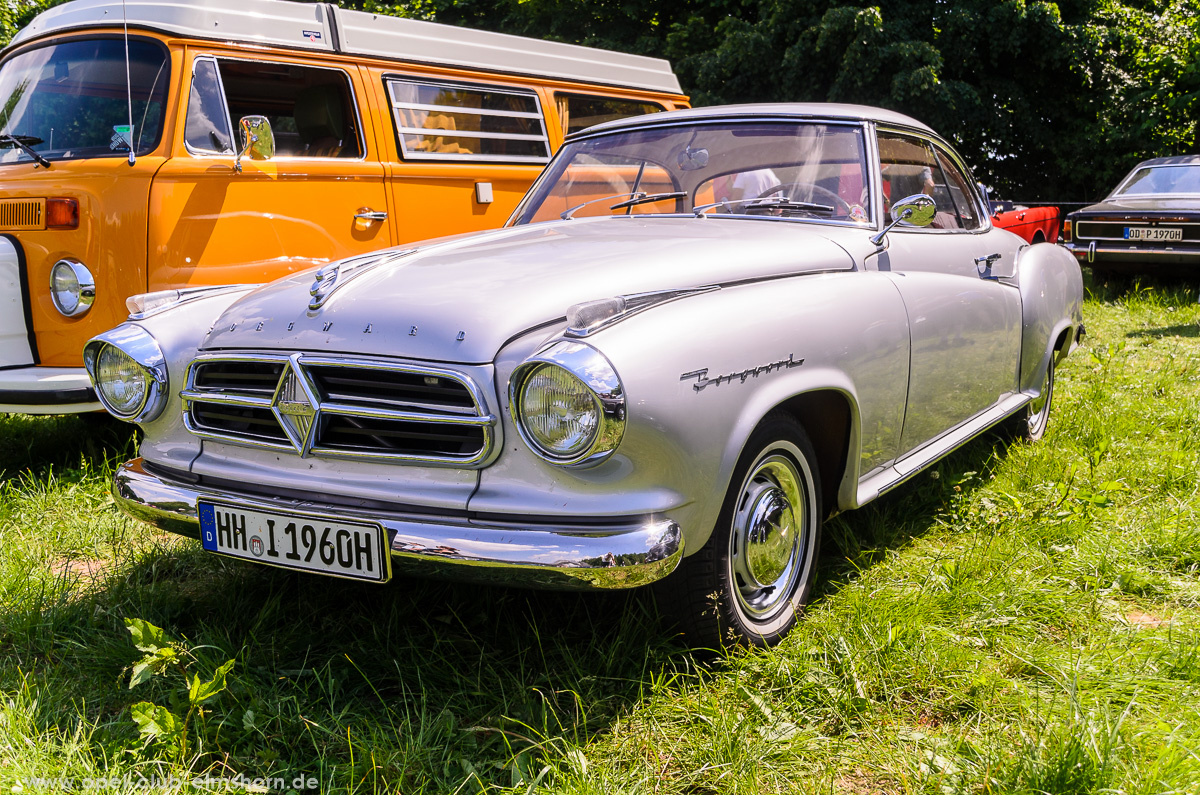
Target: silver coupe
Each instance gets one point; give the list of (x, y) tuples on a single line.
[(701, 333)]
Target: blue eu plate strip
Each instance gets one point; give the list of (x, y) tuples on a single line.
[(208, 526)]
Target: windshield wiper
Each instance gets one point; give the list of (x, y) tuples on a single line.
[(647, 198), (25, 143), (767, 203)]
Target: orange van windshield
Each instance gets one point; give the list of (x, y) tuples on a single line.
[(70, 100)]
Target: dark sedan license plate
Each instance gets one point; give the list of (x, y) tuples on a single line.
[(1154, 233), (319, 544)]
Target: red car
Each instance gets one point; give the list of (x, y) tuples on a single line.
[(1034, 224)]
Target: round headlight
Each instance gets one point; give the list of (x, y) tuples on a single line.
[(72, 287), (560, 414), (123, 383)]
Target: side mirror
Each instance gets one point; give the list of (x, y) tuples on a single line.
[(258, 142), (916, 210)]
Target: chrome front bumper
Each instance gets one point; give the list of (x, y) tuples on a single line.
[(525, 553)]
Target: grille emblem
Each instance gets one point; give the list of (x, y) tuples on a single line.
[(296, 408)]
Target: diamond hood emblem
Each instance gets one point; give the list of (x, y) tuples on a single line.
[(295, 407)]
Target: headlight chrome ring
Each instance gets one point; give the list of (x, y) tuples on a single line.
[(72, 287), (129, 372), (568, 404)]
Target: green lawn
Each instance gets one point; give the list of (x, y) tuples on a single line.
[(1021, 619)]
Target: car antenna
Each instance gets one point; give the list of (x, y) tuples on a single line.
[(128, 85)]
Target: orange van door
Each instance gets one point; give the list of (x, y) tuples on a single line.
[(322, 197)]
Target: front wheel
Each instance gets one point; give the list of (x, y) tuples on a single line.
[(749, 582)]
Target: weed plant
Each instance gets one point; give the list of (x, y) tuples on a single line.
[(1019, 619)]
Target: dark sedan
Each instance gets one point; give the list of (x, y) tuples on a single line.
[(1149, 224)]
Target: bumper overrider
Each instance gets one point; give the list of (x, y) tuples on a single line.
[(627, 553)]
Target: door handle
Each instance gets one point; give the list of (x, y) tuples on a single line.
[(984, 264), (366, 216)]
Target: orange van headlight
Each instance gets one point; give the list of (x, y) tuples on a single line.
[(62, 214)]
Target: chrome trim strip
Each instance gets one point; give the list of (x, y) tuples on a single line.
[(624, 554), (344, 410)]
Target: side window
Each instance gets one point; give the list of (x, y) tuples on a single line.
[(207, 129), (909, 166), (437, 121), (960, 197), (311, 109), (580, 111)]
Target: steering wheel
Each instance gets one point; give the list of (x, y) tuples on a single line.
[(815, 193)]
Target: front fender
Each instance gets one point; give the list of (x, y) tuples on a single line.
[(1051, 303), (759, 345), (178, 331)]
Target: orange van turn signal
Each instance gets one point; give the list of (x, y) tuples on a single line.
[(62, 214), (1066, 232)]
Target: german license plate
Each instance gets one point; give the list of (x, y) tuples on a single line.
[(296, 541), (1154, 233)]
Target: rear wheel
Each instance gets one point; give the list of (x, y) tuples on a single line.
[(749, 582), (1029, 424)]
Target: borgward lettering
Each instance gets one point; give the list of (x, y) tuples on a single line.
[(702, 379)]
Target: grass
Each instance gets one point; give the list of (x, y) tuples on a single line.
[(1020, 619)]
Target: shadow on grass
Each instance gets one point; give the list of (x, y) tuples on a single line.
[(435, 683), (1186, 330), (857, 539), (37, 444)]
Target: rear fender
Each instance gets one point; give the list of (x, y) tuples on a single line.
[(1051, 288)]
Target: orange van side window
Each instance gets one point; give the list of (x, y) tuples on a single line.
[(443, 121), (580, 111)]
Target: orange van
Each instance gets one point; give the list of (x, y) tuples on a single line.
[(147, 146)]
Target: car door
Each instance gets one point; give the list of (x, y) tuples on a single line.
[(321, 197), (965, 325)]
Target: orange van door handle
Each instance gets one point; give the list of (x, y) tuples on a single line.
[(369, 215)]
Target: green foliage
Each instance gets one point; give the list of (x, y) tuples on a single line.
[(162, 656), (1048, 101)]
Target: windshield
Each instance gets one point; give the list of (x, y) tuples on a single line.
[(69, 100), (1163, 179), (787, 170)]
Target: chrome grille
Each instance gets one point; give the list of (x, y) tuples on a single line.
[(341, 408)]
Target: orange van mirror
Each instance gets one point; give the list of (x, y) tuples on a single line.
[(258, 142)]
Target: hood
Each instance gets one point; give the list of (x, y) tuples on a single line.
[(1142, 205), (460, 301)]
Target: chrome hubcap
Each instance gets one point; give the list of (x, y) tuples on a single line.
[(1039, 409), (769, 538)]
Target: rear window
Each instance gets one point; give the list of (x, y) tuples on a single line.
[(1183, 179), (441, 121)]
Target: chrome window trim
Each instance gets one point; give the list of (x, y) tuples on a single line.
[(201, 153), (870, 164), (981, 207), (297, 364), (391, 79)]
